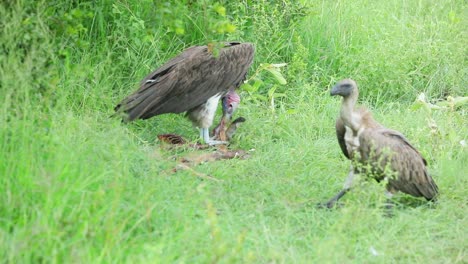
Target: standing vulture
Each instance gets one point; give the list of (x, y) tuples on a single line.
[(193, 82), (380, 152)]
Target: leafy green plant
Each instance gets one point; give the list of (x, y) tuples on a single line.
[(188, 18), (254, 84)]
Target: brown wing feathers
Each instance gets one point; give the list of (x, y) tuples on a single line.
[(340, 134), (391, 148), (188, 80), (381, 148)]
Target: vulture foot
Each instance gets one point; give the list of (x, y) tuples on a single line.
[(212, 142), (389, 209), (329, 205), (332, 202), (204, 134)]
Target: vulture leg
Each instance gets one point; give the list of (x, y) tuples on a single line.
[(205, 135), (347, 186), (389, 203), (332, 202)]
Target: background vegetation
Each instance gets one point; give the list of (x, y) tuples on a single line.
[(78, 186)]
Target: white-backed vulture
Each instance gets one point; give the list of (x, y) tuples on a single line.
[(193, 82), (380, 152)]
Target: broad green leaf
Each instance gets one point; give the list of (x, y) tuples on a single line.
[(229, 28), (277, 74), (278, 65), (278, 95), (221, 10), (271, 92), (256, 85), (247, 87), (260, 97)]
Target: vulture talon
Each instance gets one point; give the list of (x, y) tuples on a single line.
[(329, 205), (334, 200), (389, 209), (324, 205), (216, 142)]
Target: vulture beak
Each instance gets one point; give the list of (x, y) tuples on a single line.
[(230, 110), (344, 88), (335, 90), (230, 102)]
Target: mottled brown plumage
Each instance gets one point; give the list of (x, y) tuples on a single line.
[(191, 82), (382, 153)]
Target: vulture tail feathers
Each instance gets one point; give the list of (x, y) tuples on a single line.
[(137, 104), (431, 190), (425, 187)]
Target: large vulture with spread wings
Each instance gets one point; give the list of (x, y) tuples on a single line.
[(382, 153), (193, 82)]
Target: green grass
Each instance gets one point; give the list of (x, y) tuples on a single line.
[(78, 186)]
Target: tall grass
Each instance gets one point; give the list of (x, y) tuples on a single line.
[(396, 49), (79, 186)]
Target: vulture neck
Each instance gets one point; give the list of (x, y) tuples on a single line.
[(350, 117)]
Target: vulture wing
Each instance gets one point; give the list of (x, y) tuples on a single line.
[(189, 80), (340, 135), (385, 147), (366, 117)]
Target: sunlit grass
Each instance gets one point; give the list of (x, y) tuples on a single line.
[(79, 186)]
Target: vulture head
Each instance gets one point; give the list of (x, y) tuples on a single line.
[(348, 89), (345, 88), (229, 102)]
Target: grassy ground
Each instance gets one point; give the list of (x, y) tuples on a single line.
[(80, 187)]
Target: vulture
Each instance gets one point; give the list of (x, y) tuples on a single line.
[(379, 152), (193, 82)]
